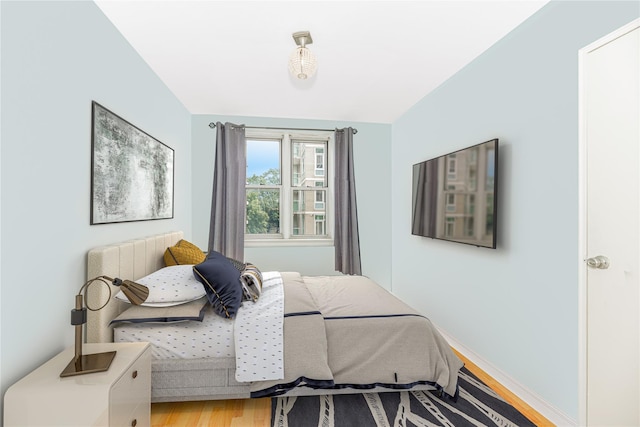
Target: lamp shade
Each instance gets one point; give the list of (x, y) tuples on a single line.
[(135, 292), (302, 63)]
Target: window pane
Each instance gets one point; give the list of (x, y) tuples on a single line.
[(263, 161), (319, 162), (263, 211), (308, 163), (309, 213)]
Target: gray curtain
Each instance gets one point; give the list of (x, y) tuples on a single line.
[(228, 203), (346, 239)]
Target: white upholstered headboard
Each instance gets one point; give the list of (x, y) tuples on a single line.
[(127, 260)]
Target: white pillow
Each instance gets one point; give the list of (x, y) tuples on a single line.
[(193, 311), (169, 286)]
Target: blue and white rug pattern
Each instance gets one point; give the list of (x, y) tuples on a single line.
[(477, 405)]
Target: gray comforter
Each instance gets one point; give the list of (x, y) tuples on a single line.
[(348, 332)]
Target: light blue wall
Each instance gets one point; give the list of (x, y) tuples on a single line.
[(372, 151), (56, 58), (515, 306)]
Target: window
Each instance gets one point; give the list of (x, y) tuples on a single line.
[(320, 224), (488, 229), (319, 161), (452, 166), (319, 204), (451, 202), (468, 226), (470, 207), (449, 226), (263, 187), (289, 188)]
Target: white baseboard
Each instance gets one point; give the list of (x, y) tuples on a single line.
[(530, 398)]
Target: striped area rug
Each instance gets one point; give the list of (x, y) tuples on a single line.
[(477, 405)]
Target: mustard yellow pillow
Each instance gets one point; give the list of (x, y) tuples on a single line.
[(184, 252), (187, 244)]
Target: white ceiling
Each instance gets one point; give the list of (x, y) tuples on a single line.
[(376, 59)]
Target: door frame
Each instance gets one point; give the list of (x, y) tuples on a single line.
[(582, 215)]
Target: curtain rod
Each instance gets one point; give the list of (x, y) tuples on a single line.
[(213, 125)]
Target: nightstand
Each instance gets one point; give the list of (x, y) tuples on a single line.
[(120, 396)]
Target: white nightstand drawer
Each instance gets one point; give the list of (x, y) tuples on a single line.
[(130, 395), (109, 398)]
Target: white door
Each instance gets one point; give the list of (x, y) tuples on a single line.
[(610, 141)]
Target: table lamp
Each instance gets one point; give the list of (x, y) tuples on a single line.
[(98, 362)]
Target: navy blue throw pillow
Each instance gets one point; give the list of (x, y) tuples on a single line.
[(221, 281)]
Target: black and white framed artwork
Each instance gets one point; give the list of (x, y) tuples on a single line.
[(131, 171)]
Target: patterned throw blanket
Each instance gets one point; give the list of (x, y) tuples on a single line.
[(258, 333)]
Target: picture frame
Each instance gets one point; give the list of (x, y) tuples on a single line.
[(132, 173)]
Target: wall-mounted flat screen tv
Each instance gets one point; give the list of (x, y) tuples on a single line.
[(455, 196)]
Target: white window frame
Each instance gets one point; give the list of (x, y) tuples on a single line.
[(286, 236)]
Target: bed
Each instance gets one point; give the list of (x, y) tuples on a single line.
[(339, 334)]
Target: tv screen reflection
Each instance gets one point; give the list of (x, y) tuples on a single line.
[(454, 196)]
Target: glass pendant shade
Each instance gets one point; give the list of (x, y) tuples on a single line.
[(302, 63)]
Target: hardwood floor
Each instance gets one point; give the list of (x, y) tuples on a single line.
[(257, 412), (213, 413), (521, 406)]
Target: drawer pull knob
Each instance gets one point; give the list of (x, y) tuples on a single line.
[(134, 375), (134, 423)]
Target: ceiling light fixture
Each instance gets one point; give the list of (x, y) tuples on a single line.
[(302, 62)]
